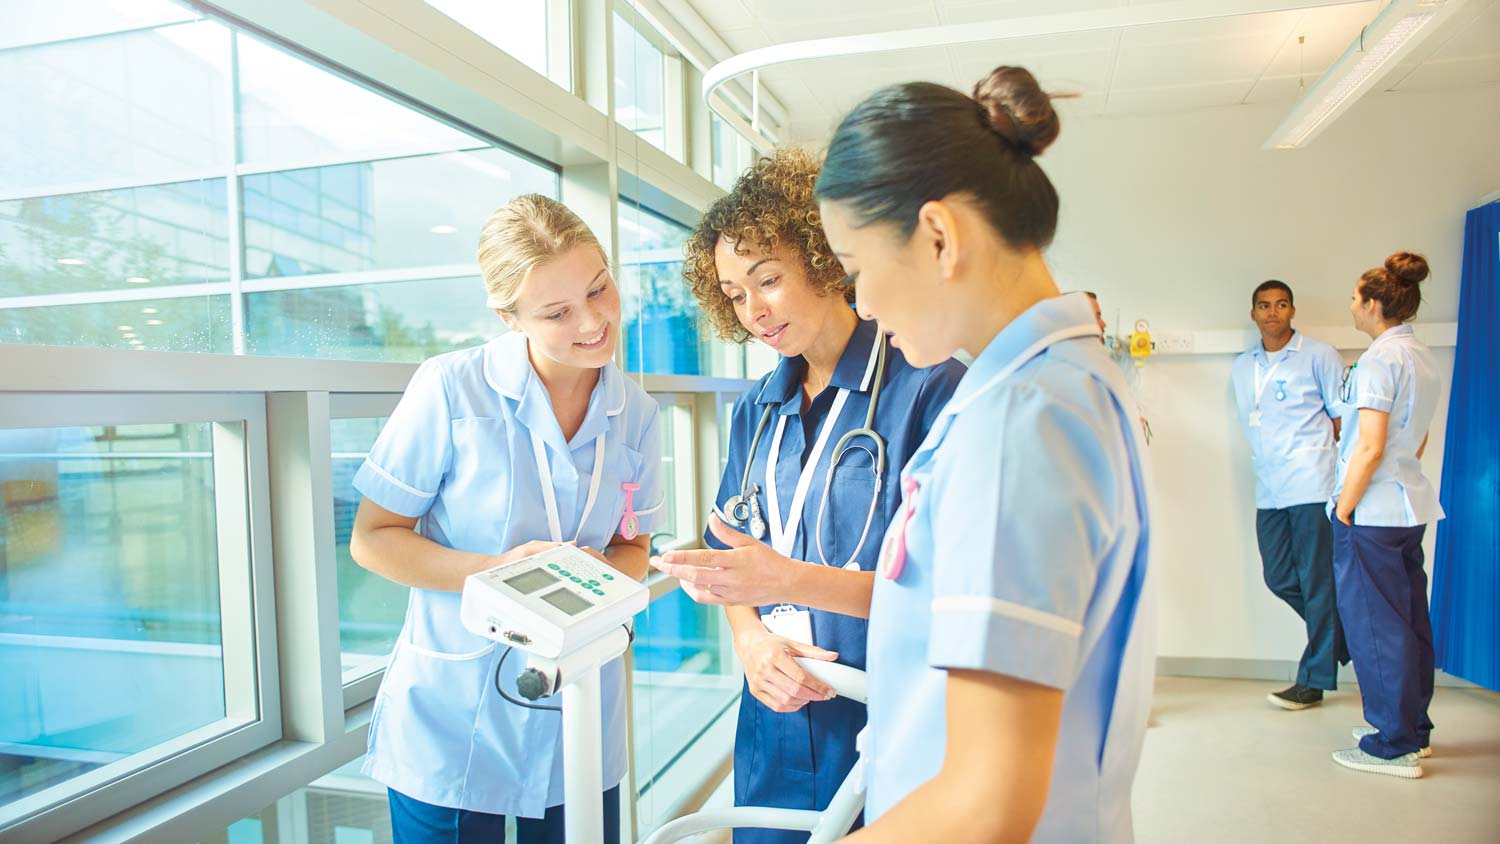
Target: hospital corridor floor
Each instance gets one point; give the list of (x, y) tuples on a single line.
[(1222, 765)]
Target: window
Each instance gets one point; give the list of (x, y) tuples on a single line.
[(685, 680), (171, 184), (371, 608), (526, 29), (665, 332), (127, 637), (640, 85), (732, 153)]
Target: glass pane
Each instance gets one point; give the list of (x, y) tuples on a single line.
[(725, 148), (28, 22), (190, 324), (371, 608), (402, 212), (685, 678), (285, 118), (342, 807), (640, 85), (401, 321), (519, 27), (662, 319), (670, 419), (125, 239), (144, 105), (109, 597)]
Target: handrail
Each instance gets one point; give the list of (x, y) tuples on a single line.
[(54, 369)]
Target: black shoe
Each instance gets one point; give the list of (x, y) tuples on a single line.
[(1296, 697)]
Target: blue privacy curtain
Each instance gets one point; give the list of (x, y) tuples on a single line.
[(1466, 571)]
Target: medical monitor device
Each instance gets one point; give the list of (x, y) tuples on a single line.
[(550, 604)]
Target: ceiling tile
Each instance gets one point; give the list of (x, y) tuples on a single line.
[(1272, 25), (1458, 73), (1195, 62), (1077, 73), (723, 14), (1329, 33), (783, 29), (1179, 98), (744, 40), (1276, 89), (1015, 49), (959, 11)]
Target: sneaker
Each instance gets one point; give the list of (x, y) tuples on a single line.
[(1407, 767), (1361, 732), (1296, 697)]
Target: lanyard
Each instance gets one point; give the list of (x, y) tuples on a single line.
[(782, 539), (549, 495)]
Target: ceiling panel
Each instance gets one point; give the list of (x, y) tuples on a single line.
[(785, 28), (1456, 73), (1071, 72), (1017, 48), (1177, 98), (966, 12), (1195, 62), (746, 39), (723, 14), (1328, 31), (1274, 25)]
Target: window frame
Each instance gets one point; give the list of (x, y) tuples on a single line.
[(248, 632)]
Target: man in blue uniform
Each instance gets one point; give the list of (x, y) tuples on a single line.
[(1287, 387)]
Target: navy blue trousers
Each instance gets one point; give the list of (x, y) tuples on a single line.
[(415, 822), (1382, 594), (1296, 554)]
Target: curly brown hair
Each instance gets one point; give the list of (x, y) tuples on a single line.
[(771, 205)]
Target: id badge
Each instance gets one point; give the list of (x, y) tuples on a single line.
[(1255, 418), (788, 622)]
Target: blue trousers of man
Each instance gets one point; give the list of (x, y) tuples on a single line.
[(1382, 594), (1296, 553), (415, 822)]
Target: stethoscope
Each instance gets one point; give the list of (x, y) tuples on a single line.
[(744, 510)]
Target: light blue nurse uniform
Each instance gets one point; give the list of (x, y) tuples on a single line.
[(1026, 555), (1397, 375), (458, 452), (1287, 402)]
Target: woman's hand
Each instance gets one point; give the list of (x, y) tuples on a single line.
[(522, 551), (774, 677), (751, 573), (1347, 519)]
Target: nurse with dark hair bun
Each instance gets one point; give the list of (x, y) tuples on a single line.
[(1011, 630)]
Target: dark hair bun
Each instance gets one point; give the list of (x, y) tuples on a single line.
[(1408, 267), (1019, 110)]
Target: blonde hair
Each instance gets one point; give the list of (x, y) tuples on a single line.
[(522, 235)]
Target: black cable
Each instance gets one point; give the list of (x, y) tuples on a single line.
[(501, 665), (629, 632)]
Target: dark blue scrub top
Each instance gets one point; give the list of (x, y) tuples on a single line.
[(797, 760)]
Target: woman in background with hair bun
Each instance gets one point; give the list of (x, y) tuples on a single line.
[(1382, 504), (1011, 639)]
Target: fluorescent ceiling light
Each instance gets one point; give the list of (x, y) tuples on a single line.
[(443, 229), (1394, 33), (72, 262), (135, 279)]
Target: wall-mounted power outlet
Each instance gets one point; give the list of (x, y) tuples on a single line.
[(1173, 342)]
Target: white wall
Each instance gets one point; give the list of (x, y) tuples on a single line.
[(1176, 217)]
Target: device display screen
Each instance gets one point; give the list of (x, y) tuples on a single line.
[(528, 582), (566, 601)]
